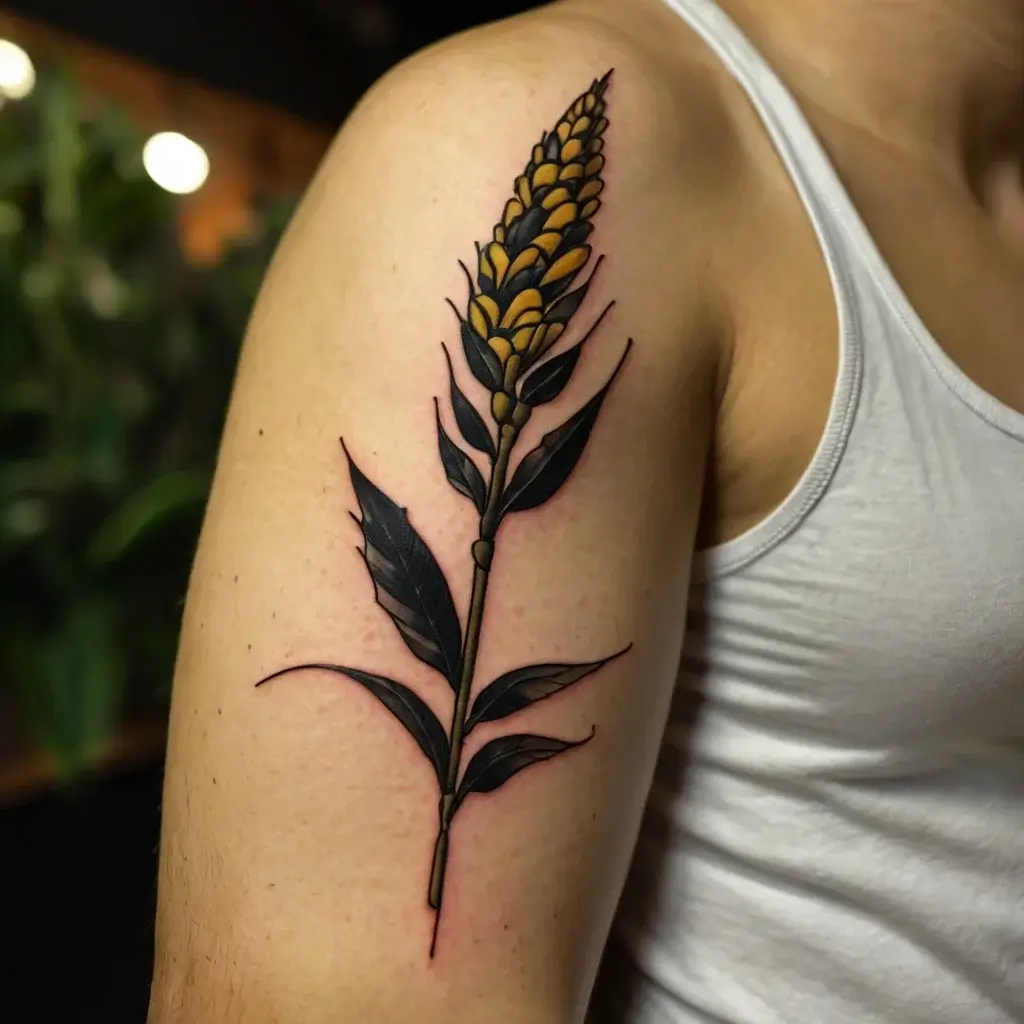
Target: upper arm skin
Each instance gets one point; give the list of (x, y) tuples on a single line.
[(300, 817)]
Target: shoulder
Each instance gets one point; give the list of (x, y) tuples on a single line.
[(430, 147), (486, 88)]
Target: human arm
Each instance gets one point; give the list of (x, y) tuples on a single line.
[(302, 815)]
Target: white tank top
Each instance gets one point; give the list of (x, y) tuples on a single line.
[(835, 834)]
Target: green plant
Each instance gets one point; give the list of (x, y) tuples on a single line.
[(116, 360)]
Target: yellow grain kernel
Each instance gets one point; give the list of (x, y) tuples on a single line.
[(527, 299), (538, 339), (595, 145), (525, 259), (589, 101), (581, 126), (565, 214), (501, 406), (571, 149), (566, 264), (499, 260), (549, 241), (499, 233), (512, 370), (538, 154), (523, 190), (571, 172), (590, 208), (545, 339), (490, 311), (578, 106), (556, 197), (590, 189), (602, 123), (562, 131), (594, 165), (478, 319), (553, 333), (513, 208), (522, 338), (501, 347), (546, 174), (485, 265)]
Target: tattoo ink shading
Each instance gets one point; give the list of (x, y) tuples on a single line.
[(522, 300)]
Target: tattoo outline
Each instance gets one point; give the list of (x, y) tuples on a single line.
[(520, 303)]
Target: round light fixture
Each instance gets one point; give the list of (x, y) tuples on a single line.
[(17, 75), (175, 162)]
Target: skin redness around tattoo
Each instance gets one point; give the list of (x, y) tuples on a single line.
[(522, 300)]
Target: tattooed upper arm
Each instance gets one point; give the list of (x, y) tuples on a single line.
[(424, 670)]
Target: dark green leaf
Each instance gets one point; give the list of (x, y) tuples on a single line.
[(459, 467), (482, 361), (407, 580), (470, 422), (522, 687), (144, 509), (496, 762), (420, 722), (73, 682), (548, 466), (547, 381), (574, 234)]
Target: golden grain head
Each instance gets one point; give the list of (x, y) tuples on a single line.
[(523, 297)]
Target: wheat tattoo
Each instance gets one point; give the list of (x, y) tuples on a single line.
[(520, 302)]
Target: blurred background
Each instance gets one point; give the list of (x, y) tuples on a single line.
[(150, 155)]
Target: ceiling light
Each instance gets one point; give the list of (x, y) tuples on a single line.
[(175, 162), (17, 75)]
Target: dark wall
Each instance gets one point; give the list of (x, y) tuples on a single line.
[(77, 901), (311, 57)]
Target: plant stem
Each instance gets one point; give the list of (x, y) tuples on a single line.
[(482, 550)]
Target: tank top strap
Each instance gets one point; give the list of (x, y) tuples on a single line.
[(794, 139)]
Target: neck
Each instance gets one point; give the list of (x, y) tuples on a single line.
[(940, 80)]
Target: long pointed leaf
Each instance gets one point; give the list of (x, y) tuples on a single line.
[(470, 423), (496, 762), (480, 357), (522, 687), (408, 582), (459, 467), (546, 382), (547, 467), (420, 722)]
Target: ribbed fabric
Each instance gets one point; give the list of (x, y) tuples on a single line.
[(836, 830)]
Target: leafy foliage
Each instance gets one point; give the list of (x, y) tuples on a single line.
[(543, 471), (115, 364), (407, 580), (459, 467), (522, 687), (496, 762)]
